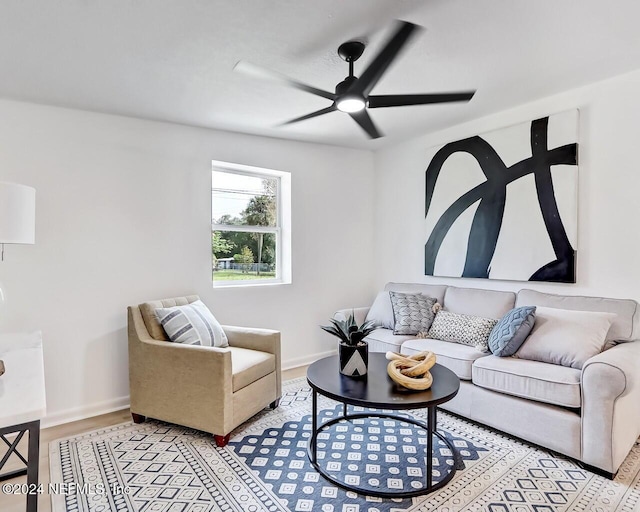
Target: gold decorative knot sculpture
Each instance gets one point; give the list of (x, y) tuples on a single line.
[(411, 372)]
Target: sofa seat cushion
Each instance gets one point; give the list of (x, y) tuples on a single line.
[(542, 382), (383, 340), (458, 358), (248, 366)]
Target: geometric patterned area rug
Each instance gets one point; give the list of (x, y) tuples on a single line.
[(160, 467)]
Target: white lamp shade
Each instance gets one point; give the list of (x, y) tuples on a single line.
[(17, 214)]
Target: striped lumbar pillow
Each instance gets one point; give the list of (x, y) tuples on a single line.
[(192, 324)]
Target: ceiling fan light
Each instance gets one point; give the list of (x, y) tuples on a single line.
[(350, 104)]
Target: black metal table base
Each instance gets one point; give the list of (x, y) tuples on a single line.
[(31, 462), (430, 427)]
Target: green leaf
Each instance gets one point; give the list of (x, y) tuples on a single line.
[(348, 330), (335, 332)]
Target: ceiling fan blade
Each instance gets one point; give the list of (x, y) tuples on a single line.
[(379, 65), (366, 123), (252, 70), (401, 100), (309, 116)]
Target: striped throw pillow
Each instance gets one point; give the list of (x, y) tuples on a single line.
[(192, 324)]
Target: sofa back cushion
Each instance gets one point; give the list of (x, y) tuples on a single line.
[(477, 302), (624, 326), (148, 311), (436, 291), (381, 311)]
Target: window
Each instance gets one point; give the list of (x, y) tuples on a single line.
[(250, 225)]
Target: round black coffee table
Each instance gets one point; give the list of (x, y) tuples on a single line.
[(376, 390)]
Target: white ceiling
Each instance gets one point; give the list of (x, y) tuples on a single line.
[(172, 60)]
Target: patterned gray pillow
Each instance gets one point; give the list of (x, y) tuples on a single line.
[(412, 312), (192, 324), (464, 329)]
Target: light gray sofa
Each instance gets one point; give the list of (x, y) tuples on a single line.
[(592, 415)]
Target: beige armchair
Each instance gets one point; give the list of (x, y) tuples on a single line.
[(206, 388)]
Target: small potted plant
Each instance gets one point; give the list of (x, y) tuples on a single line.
[(353, 351)]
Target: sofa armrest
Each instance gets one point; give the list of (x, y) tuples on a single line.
[(264, 340), (251, 338), (610, 412), (360, 314)]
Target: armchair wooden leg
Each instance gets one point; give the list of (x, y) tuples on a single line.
[(221, 441), (274, 404), (138, 418)]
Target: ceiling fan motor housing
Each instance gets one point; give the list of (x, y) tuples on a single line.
[(343, 86), (350, 52)]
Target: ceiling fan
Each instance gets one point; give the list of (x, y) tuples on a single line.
[(352, 95)]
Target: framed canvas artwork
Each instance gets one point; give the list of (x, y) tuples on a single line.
[(504, 204)]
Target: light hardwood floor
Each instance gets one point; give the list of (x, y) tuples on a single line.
[(16, 503)]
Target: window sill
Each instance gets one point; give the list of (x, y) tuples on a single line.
[(247, 284)]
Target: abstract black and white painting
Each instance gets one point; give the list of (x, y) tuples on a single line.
[(504, 204)]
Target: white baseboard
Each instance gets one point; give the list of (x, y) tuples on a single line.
[(305, 360), (88, 411), (118, 404)]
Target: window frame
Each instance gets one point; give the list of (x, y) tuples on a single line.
[(281, 230)]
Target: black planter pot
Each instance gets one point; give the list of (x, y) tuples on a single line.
[(354, 361)]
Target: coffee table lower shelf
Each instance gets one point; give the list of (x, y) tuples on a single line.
[(430, 428)]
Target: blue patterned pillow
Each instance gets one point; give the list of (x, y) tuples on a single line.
[(511, 331)]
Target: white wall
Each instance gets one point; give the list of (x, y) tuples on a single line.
[(609, 193), (123, 216)]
